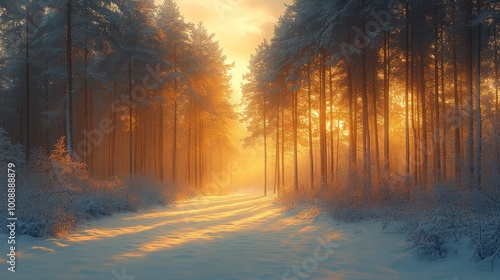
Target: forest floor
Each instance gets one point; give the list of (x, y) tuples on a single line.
[(241, 236)]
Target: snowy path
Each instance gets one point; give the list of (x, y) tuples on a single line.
[(242, 236)]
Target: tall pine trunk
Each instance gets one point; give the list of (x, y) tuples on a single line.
[(375, 114), (425, 168), (190, 125), (130, 116), (174, 144), (470, 112), (161, 149), (311, 151), (69, 79), (352, 126), (457, 132), (265, 150), (497, 107), (407, 92), (277, 166), (366, 128), (322, 121), (27, 144), (479, 125), (443, 106), (437, 139), (332, 146), (295, 143), (387, 75)]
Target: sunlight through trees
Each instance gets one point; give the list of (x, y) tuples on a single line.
[(414, 85)]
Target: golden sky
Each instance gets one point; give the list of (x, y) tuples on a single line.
[(239, 26)]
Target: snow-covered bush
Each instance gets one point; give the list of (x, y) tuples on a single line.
[(9, 152), (56, 193), (433, 219), (484, 233), (429, 235)]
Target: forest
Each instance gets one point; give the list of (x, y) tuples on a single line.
[(108, 106), (384, 110), (369, 91), (133, 88), (383, 105)]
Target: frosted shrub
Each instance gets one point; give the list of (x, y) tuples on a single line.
[(69, 173), (433, 219), (485, 236), (429, 236), (57, 193), (9, 152)]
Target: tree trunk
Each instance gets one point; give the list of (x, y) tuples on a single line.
[(174, 145), (196, 144), (415, 121), (497, 107), (407, 91), (425, 168), (27, 144), (375, 113), (69, 81), (457, 113), (437, 140), (201, 155), (479, 125), (443, 107), (265, 150), (161, 145), (190, 125), (130, 116), (332, 146), (282, 149), (352, 126), (47, 146), (366, 129), (470, 113), (295, 144), (311, 151), (112, 148), (322, 121), (387, 73), (88, 115), (277, 167)]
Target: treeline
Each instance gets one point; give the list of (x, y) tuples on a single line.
[(134, 88), (374, 92)]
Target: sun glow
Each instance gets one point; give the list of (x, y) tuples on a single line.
[(234, 22)]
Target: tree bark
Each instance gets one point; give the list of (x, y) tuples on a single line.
[(387, 73), (470, 113), (479, 125), (457, 114), (295, 144), (332, 143), (27, 144), (437, 140), (69, 79), (265, 150), (366, 129), (311, 151), (425, 167), (407, 91), (322, 121), (130, 116)]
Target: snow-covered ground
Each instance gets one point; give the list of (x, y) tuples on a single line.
[(242, 236)]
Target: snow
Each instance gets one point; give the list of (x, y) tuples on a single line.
[(241, 236)]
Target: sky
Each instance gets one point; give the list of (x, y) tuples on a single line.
[(238, 25)]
